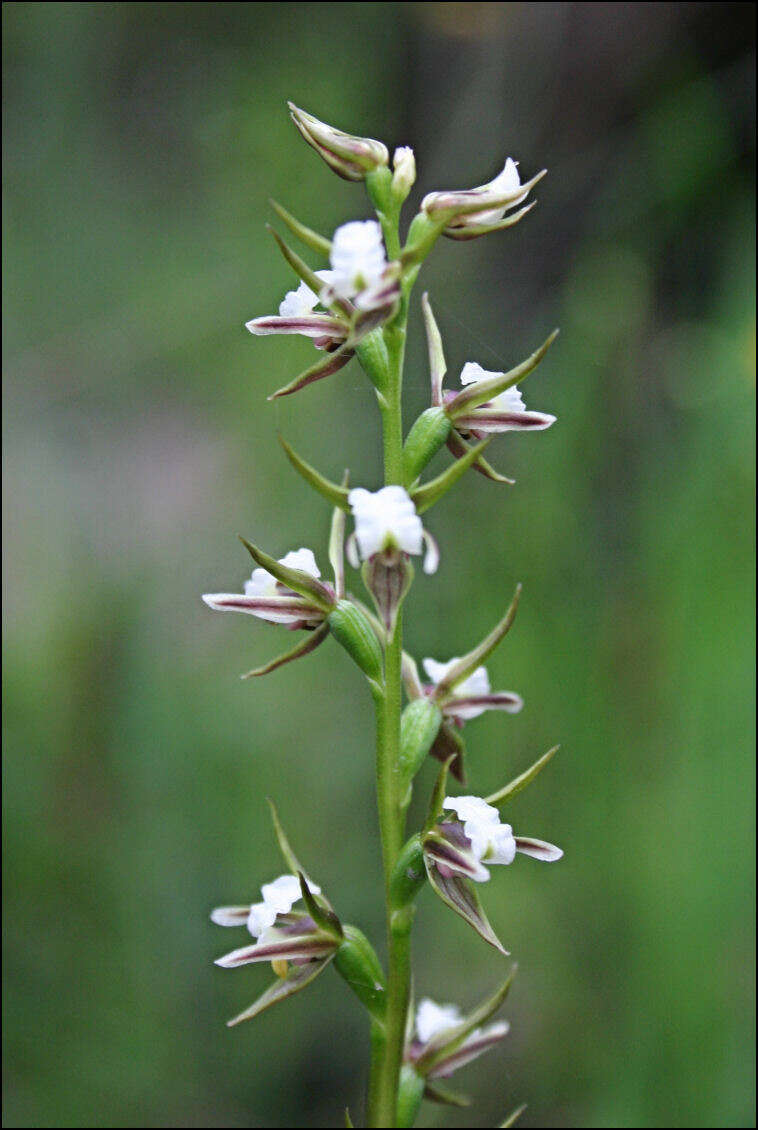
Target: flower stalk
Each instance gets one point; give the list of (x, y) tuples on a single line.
[(357, 308)]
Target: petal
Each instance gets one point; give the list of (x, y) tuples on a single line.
[(230, 915), (490, 421), (453, 858), (275, 609), (477, 1044), (471, 706), (432, 1018), (538, 849), (432, 555), (308, 946), (309, 325)]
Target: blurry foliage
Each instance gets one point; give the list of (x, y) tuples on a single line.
[(142, 142)]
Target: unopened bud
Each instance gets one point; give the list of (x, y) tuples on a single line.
[(404, 172), (349, 156)]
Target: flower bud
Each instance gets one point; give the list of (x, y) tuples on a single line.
[(404, 172), (349, 156), (351, 628)]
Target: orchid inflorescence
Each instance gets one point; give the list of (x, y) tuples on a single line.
[(355, 305)]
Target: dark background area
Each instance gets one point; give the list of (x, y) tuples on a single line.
[(142, 142)]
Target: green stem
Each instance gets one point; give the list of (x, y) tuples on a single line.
[(385, 1073)]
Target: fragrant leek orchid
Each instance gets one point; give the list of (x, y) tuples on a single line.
[(354, 304)]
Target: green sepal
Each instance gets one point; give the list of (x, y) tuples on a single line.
[(357, 964), (459, 447), (437, 363), (419, 725), (473, 231), (298, 976), (337, 543), (352, 629), (438, 796), (295, 579), (424, 440), (324, 367), (348, 1120), (325, 918), (468, 664), (518, 783), (304, 647), (409, 1095), (480, 392), (332, 492), (371, 352), (436, 1093), (303, 271), (310, 238), (294, 864), (409, 874), (447, 1042), (461, 896), (431, 492), (513, 1117)]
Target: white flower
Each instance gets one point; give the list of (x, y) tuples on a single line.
[(432, 1019), (302, 301), (385, 522), (476, 685), (506, 183), (357, 257), (263, 584), (269, 599), (279, 897), (473, 211), (490, 840), (504, 412)]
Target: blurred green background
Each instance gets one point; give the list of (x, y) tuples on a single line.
[(142, 142)]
